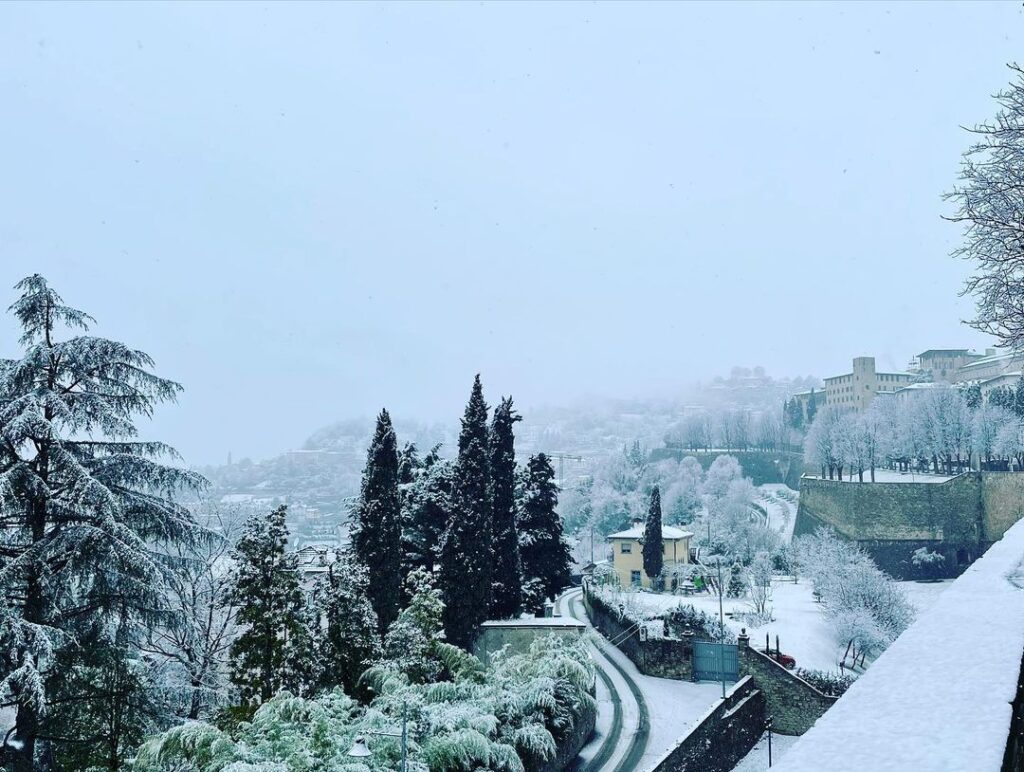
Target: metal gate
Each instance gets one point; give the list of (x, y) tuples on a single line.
[(709, 659)]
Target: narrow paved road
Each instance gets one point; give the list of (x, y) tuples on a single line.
[(620, 748)]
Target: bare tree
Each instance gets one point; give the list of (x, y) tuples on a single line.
[(195, 641), (990, 205)]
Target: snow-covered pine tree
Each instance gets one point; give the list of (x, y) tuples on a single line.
[(376, 539), (466, 546), (411, 645), (654, 546), (507, 577), (267, 593), (86, 508), (545, 556), (349, 640), (737, 586), (426, 507)]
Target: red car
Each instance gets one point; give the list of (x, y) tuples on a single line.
[(783, 659)]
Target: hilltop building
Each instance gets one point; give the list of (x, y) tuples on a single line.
[(628, 558), (857, 389), (943, 364), (992, 365), (807, 398)]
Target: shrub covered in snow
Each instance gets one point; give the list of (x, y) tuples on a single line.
[(867, 609), (827, 683), (509, 716)]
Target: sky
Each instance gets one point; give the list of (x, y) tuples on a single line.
[(307, 212)]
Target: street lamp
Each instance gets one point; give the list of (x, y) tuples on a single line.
[(768, 728), (360, 751)]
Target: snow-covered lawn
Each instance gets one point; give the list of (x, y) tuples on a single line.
[(889, 475), (799, 622), (923, 594)]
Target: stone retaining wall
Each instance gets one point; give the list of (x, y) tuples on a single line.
[(570, 747), (722, 737), (661, 657), (793, 704)]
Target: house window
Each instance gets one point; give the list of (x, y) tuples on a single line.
[(626, 548), (634, 578)]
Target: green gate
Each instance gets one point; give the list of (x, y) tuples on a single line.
[(710, 659)]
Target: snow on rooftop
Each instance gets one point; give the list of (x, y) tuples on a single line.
[(535, 622), (637, 532), (939, 697)]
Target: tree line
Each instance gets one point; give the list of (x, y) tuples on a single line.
[(941, 428), (126, 612)]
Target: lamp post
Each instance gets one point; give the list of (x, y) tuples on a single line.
[(360, 751), (721, 627), (768, 728)]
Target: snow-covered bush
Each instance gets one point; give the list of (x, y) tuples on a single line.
[(827, 683), (927, 561), (866, 608), (685, 618), (496, 718)]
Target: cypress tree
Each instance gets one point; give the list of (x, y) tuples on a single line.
[(812, 407), (377, 535), (654, 546), (507, 579), (273, 652), (88, 510), (350, 632), (544, 555), (465, 577)]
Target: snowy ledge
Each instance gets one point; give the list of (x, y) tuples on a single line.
[(535, 622), (939, 697)]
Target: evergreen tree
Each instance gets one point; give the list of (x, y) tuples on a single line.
[(737, 587), (654, 545), (1018, 398), (812, 408), (507, 578), (411, 645), (348, 623), (273, 651), (409, 464), (545, 556), (972, 395), (377, 535), (88, 511), (426, 508), (466, 546)]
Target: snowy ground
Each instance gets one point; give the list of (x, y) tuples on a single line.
[(888, 476), (757, 759), (800, 623)]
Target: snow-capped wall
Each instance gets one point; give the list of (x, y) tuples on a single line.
[(939, 697)]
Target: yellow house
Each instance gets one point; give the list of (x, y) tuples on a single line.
[(628, 553)]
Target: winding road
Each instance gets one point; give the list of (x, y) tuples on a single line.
[(619, 743)]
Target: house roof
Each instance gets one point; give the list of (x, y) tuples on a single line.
[(637, 532)]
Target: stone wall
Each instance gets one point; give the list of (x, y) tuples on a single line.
[(891, 520), (1002, 496), (661, 657), (571, 745), (959, 518), (793, 704), (722, 737)]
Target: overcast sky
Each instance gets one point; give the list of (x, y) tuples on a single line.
[(307, 212)]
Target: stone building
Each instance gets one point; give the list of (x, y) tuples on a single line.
[(857, 389), (992, 365), (943, 364)]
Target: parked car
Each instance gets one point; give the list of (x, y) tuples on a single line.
[(785, 660)]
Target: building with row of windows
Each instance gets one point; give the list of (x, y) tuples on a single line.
[(858, 388)]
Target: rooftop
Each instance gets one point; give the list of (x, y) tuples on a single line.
[(637, 532)]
